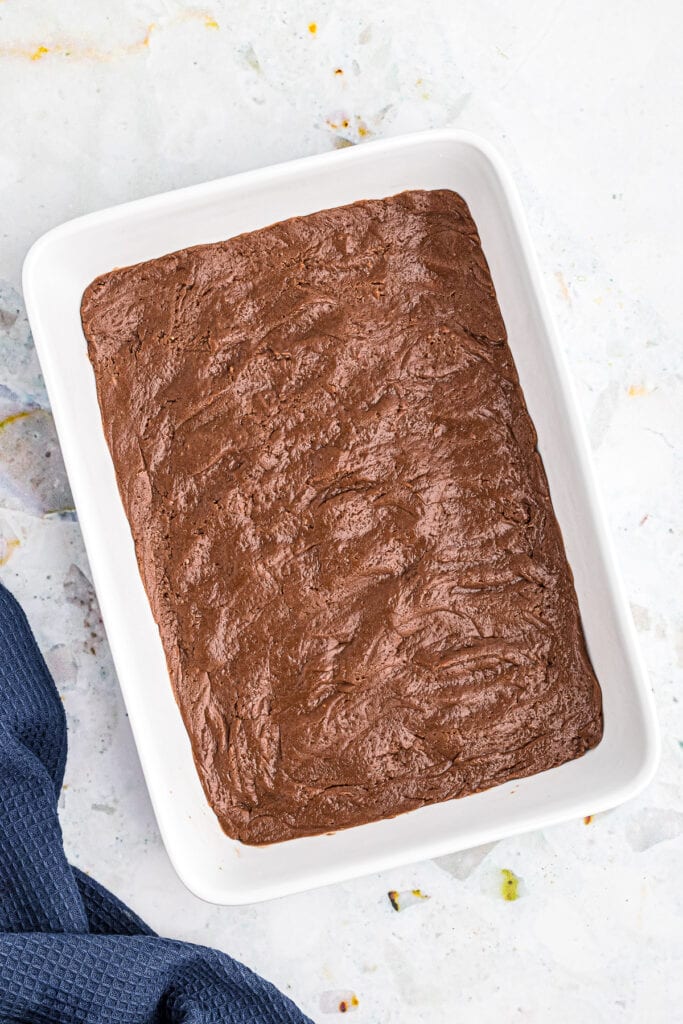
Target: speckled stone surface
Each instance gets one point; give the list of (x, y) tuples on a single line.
[(102, 106)]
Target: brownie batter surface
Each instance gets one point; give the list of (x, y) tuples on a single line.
[(340, 517)]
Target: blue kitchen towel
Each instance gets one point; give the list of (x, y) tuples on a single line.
[(70, 951)]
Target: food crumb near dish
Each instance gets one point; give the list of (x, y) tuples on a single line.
[(339, 1001), (407, 898)]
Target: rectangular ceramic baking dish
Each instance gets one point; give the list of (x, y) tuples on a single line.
[(56, 271)]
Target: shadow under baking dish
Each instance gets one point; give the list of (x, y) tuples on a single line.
[(58, 268)]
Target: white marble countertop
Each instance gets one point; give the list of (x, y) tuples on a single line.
[(101, 105)]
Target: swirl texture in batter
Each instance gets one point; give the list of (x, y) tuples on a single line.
[(340, 516)]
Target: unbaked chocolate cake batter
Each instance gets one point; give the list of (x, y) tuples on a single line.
[(340, 516)]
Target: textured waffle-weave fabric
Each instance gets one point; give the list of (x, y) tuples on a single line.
[(69, 950)]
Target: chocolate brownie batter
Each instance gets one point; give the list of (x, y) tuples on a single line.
[(340, 516)]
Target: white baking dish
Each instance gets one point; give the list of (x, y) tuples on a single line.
[(58, 268)]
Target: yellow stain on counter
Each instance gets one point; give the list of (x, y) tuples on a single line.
[(58, 511), (564, 288), (312, 28), (69, 49), (637, 391), (17, 416), (7, 549), (509, 886), (72, 49)]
